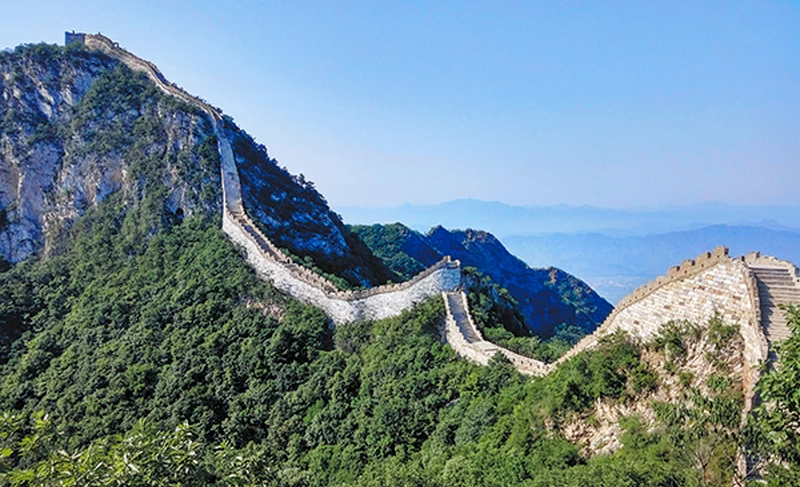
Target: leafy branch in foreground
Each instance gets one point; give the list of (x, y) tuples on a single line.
[(773, 437), (144, 456)]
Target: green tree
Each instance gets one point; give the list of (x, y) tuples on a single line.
[(775, 432)]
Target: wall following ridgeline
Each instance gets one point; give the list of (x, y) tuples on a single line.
[(696, 290), (342, 306), (269, 262), (231, 189), (453, 336)]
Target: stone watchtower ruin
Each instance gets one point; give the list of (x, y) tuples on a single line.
[(73, 38)]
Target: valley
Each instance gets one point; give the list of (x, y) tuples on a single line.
[(166, 283)]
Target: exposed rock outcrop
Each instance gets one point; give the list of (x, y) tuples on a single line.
[(79, 126)]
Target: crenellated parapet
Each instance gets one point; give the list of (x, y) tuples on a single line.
[(301, 273), (685, 269), (268, 260)]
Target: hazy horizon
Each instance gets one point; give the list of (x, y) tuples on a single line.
[(708, 203), (617, 106)]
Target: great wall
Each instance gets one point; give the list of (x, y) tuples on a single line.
[(744, 291)]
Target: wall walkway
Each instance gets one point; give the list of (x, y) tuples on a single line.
[(270, 263), (743, 291)]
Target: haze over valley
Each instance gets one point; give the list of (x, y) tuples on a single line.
[(206, 279), (613, 250)]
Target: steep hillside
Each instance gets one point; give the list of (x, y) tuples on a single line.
[(547, 297), (78, 127), (145, 351)]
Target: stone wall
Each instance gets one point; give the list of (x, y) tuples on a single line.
[(343, 307), (270, 263), (692, 290), (453, 336), (697, 290), (719, 289), (231, 188), (482, 351)]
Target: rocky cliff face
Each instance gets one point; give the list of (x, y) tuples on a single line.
[(546, 297), (77, 127)]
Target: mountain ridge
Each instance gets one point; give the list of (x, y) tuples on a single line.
[(505, 220), (547, 297)]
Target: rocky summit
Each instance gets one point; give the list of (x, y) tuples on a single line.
[(177, 309), (80, 126)]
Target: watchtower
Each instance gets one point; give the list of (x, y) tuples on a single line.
[(73, 38)]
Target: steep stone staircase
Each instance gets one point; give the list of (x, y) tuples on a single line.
[(467, 341), (776, 286), (458, 309), (777, 283)]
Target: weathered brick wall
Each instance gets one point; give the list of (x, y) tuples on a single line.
[(692, 290), (696, 291), (721, 289), (344, 307)]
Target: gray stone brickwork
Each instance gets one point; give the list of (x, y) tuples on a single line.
[(268, 261), (696, 290)]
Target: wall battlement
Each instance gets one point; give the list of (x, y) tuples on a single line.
[(676, 274), (685, 269), (270, 263), (711, 284)]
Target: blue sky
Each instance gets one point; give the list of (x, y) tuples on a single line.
[(620, 104)]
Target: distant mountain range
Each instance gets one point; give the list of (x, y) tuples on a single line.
[(614, 251), (614, 266), (504, 220)]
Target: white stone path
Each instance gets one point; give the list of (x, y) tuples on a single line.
[(777, 281)]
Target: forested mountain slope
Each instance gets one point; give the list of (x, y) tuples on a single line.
[(78, 127), (546, 297), (174, 327), (138, 348)]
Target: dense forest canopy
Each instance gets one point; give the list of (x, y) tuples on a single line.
[(173, 327), (144, 351)]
